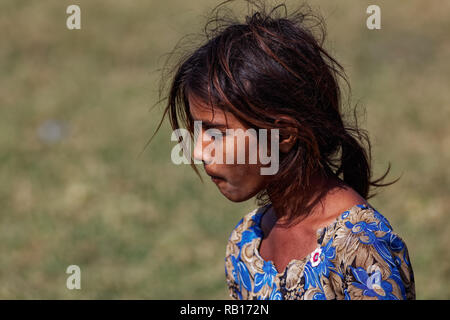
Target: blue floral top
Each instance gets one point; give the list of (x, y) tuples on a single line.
[(357, 257)]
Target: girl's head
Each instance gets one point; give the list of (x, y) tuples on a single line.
[(272, 72)]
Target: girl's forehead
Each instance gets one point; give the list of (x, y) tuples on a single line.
[(201, 111)]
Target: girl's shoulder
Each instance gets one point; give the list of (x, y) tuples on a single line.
[(246, 231), (363, 248), (250, 222), (359, 218), (360, 229), (361, 222)]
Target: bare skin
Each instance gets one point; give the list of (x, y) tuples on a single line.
[(281, 245), (237, 182), (240, 182)]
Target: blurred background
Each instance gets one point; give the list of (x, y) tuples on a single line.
[(75, 114)]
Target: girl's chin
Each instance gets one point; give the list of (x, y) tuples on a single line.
[(235, 198), (232, 193)]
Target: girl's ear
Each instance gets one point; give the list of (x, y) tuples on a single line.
[(288, 133)]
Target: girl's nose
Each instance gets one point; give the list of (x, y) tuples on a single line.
[(199, 148)]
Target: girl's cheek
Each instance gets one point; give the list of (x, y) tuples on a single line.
[(230, 149), (244, 148)]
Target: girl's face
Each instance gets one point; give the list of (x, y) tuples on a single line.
[(236, 181)]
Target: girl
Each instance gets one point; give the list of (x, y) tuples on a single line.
[(314, 235)]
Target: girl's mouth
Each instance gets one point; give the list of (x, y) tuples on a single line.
[(216, 179)]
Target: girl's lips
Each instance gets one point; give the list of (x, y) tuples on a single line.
[(216, 179), (213, 176)]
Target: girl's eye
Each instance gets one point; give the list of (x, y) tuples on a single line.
[(222, 132)]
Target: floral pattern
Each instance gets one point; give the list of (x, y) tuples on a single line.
[(315, 257), (357, 257)]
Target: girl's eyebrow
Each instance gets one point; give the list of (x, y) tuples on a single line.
[(212, 124)]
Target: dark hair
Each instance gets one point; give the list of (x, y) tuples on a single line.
[(272, 65)]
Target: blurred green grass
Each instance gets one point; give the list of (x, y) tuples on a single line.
[(140, 227)]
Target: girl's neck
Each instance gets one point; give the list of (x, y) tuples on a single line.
[(330, 194)]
